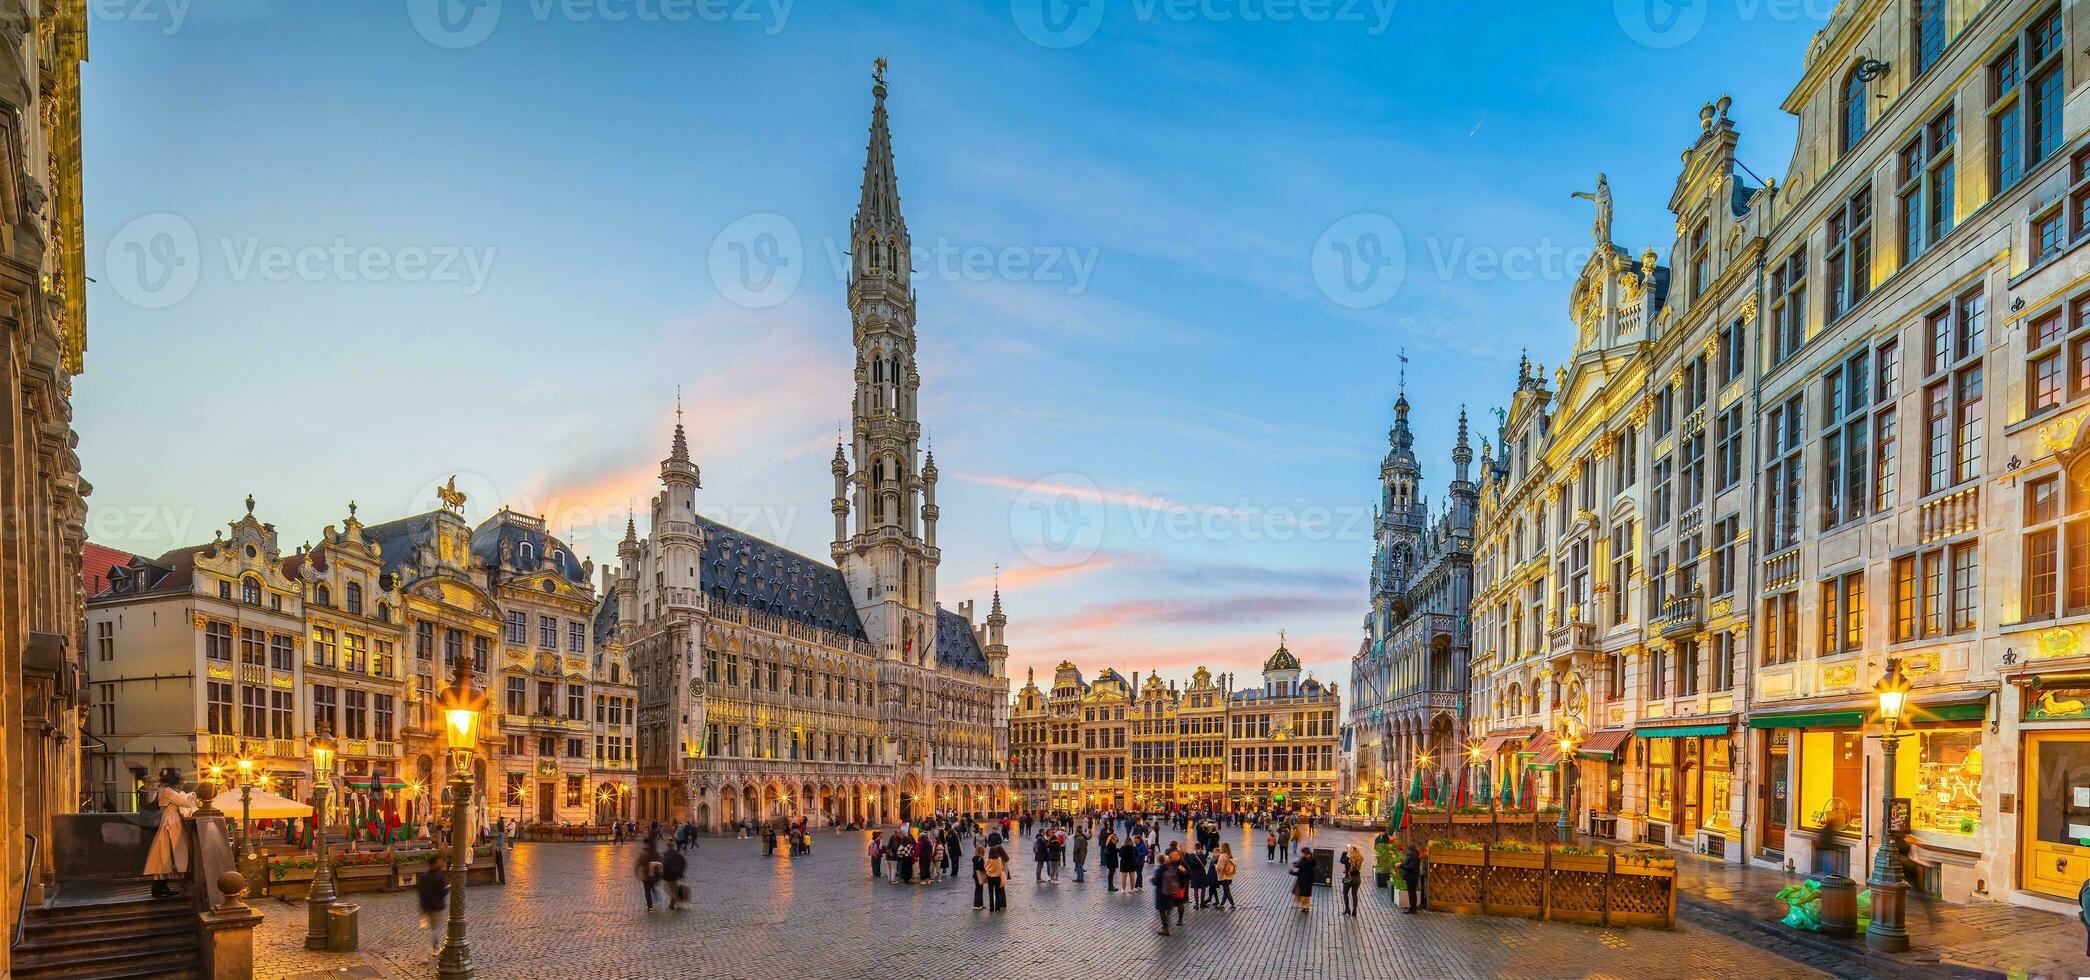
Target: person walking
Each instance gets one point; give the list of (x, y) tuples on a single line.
[(648, 870), (1168, 883), (1411, 876), (1270, 842), (1193, 865), (1353, 877), (1081, 854), (433, 888), (672, 867), (1224, 875), (1303, 879)]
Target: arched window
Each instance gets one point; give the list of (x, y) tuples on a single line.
[(525, 552), (250, 590), (1853, 110), (323, 595), (354, 594)]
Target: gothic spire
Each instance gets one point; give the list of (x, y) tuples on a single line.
[(879, 205)]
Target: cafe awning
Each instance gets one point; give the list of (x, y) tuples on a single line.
[(1809, 719), (1955, 706), (1497, 740), (1544, 751), (1603, 744)]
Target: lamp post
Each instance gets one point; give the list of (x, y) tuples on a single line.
[(1889, 889), (246, 806), (462, 708), (320, 896), (1567, 790), (522, 792)]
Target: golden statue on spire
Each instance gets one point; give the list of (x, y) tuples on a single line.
[(451, 497), (878, 70)]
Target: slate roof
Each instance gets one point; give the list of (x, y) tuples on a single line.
[(399, 538), (744, 570), (514, 530), (606, 616), (956, 644)]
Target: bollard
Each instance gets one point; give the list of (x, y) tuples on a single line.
[(1839, 906), (341, 927)]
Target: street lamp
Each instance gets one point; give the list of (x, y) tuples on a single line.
[(320, 895), (522, 792), (1567, 790), (462, 708), (1889, 888), (246, 805)]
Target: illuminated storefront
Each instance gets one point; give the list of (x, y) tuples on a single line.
[(1689, 767), (2054, 849)]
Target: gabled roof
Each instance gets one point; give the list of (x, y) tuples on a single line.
[(956, 645), (514, 530), (95, 565)]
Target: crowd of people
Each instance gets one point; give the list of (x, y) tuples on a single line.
[(1195, 871)]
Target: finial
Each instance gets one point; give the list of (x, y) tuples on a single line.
[(678, 404), (1404, 373), (250, 505), (878, 78), (1280, 638)]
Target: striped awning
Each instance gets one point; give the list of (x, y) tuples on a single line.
[(1603, 744), (1687, 727)]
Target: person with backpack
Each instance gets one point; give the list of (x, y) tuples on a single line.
[(997, 872), (433, 888), (672, 867), (1224, 876)]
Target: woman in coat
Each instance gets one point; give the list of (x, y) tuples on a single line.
[(979, 876), (1353, 877), (1109, 853), (1411, 875), (1303, 879), (168, 861)]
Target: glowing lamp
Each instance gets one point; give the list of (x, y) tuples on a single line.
[(322, 751), (1893, 692), (463, 706)]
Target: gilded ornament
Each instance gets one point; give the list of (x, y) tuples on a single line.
[(2057, 642), (1841, 675), (1749, 308), (2060, 434)]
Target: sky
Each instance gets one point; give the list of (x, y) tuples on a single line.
[(1169, 255)]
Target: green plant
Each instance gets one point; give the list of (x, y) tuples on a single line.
[(1579, 851), (1447, 844), (1517, 846)]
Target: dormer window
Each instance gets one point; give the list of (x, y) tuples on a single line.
[(525, 552)]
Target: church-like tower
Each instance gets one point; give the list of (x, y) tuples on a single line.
[(1402, 512), (890, 557)]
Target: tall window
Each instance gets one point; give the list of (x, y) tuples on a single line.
[(253, 711), (2024, 101), (1852, 110), (1733, 352), (1722, 663), (1625, 459), (218, 707), (517, 630), (1701, 258), (1725, 531), (250, 590), (1849, 257), (324, 646), (323, 709), (381, 717), (1788, 320), (1781, 628), (217, 641), (1843, 614), (1935, 592), (1621, 572), (548, 632), (2057, 369), (1886, 379), (1952, 392), (354, 594), (1846, 394), (282, 654), (2057, 546), (1783, 443), (1924, 186), (1662, 491), (1657, 672), (355, 713), (1727, 447), (253, 647), (518, 696), (281, 707), (453, 647), (1927, 29)]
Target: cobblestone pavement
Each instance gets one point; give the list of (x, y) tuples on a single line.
[(574, 910)]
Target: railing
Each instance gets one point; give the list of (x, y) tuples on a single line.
[(1574, 636), (29, 876), (1950, 514), (1781, 569), (1681, 615)]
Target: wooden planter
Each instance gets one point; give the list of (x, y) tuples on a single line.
[(1592, 888)]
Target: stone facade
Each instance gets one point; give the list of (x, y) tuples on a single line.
[(1114, 744), (1838, 429), (1409, 678), (232, 648), (42, 495), (774, 685)]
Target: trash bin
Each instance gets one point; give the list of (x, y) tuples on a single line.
[(1839, 906), (341, 927)]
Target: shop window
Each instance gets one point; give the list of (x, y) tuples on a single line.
[(1939, 772), (1718, 773), (1661, 782), (1832, 778)]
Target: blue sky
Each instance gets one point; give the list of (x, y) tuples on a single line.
[(344, 250)]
